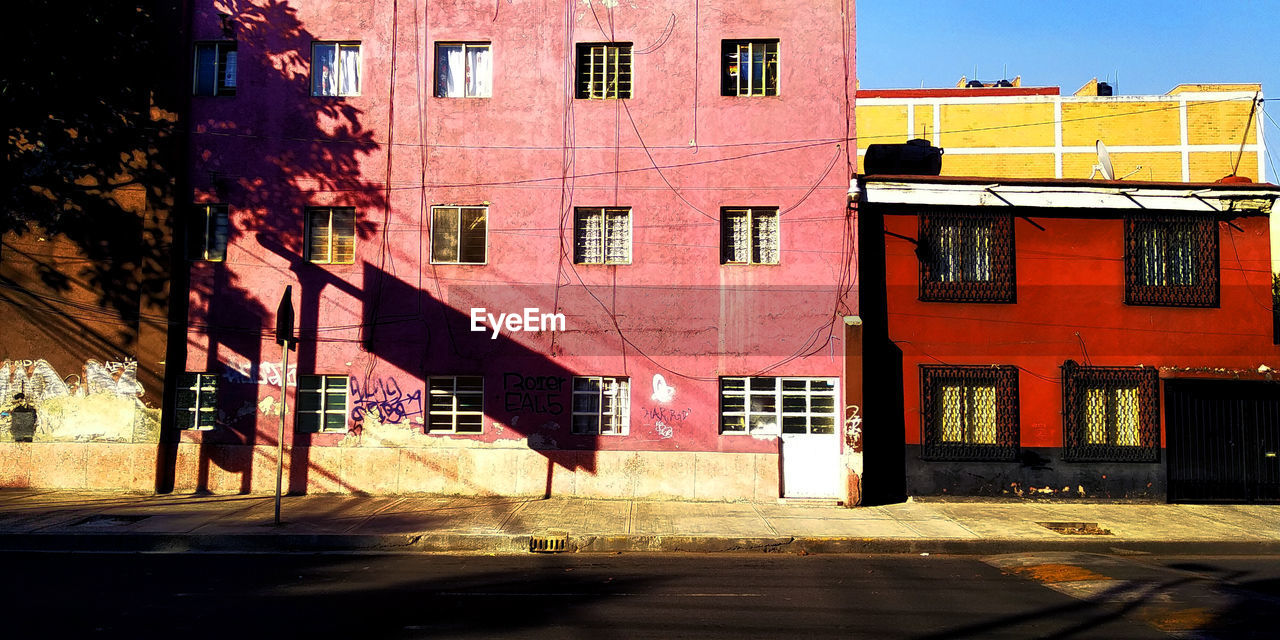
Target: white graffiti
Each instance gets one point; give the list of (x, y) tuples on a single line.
[(267, 373), (38, 381), (663, 429), (853, 424), (662, 392)]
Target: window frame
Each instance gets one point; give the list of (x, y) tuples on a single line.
[(1077, 380), (621, 414), (731, 83), (779, 411), (202, 385), (726, 235), (326, 381), (453, 411), (465, 44), (310, 228), (459, 207), (1203, 230), (1007, 436), (338, 45), (584, 79), (578, 257), (207, 236), (1000, 288), (221, 48)]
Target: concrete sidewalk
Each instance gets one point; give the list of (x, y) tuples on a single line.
[(58, 520)]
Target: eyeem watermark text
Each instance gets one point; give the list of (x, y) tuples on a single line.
[(531, 320)]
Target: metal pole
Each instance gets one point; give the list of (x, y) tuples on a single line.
[(284, 409)]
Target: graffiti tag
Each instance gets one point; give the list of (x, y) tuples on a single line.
[(265, 373), (532, 394), (384, 398)]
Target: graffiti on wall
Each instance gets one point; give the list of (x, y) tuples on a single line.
[(532, 394), (266, 373), (103, 401), (666, 420), (662, 392), (382, 398)]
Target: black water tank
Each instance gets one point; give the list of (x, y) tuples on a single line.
[(914, 158), (1104, 89)]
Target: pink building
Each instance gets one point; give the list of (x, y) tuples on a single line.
[(654, 195)]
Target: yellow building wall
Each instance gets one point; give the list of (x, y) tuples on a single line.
[(997, 125), (1121, 123), (1212, 122), (881, 124), (1022, 165)]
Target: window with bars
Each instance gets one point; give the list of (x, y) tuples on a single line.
[(601, 235), (1110, 413), (215, 69), (322, 403), (749, 68), (1171, 260), (331, 235), (464, 70), (777, 405), (335, 68), (604, 70), (749, 236), (459, 235), (601, 405), (966, 256), (969, 412), (197, 401), (455, 404), (207, 234)]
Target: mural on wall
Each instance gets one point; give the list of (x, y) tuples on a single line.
[(103, 402)]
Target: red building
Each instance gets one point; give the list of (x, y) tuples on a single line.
[(1069, 338), (543, 248)]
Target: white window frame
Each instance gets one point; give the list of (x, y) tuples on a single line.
[(459, 208), (593, 66), (203, 386), (453, 412), (779, 412), (616, 420), (222, 51), (328, 257), (212, 248), (322, 384), (466, 61), (579, 234), (340, 92), (751, 214)]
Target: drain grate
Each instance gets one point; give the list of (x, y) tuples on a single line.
[(548, 544), (1076, 528)]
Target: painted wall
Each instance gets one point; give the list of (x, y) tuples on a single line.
[(673, 320)]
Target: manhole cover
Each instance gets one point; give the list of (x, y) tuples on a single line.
[(108, 521), (1076, 528)]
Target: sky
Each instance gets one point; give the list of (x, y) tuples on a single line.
[(1140, 46)]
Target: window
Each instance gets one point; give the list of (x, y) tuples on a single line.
[(331, 235), (1171, 260), (969, 412), (207, 235), (335, 68), (322, 403), (604, 70), (456, 404), (749, 236), (215, 72), (459, 234), (1110, 413), (601, 405), (749, 68), (777, 405), (464, 70), (601, 236), (966, 257), (197, 401)]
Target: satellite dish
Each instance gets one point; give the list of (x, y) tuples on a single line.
[(1104, 164)]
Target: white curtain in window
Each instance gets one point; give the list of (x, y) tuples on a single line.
[(480, 66), (229, 70), (322, 70), (349, 68), (452, 72)]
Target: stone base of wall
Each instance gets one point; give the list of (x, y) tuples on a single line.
[(707, 476)]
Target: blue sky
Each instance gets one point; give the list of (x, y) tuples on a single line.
[(1152, 45)]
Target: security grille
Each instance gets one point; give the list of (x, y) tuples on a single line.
[(602, 235), (749, 236), (197, 401), (331, 235), (322, 403), (750, 68), (604, 71), (1171, 260), (1110, 413), (969, 412), (966, 256), (455, 404)]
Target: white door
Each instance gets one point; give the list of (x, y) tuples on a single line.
[(810, 438)]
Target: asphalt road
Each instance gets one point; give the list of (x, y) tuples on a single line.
[(662, 596)]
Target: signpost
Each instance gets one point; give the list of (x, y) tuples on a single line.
[(286, 340)]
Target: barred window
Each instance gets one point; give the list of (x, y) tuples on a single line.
[(459, 235), (456, 404), (215, 69), (335, 68), (197, 401), (969, 412), (1110, 413), (749, 236), (604, 70), (966, 257), (749, 68), (769, 406), (207, 235), (601, 404), (602, 235), (1171, 260), (331, 235), (322, 403)]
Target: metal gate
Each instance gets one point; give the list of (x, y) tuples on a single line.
[(1223, 441)]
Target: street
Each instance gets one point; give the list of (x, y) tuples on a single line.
[(661, 596)]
